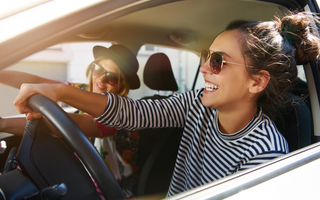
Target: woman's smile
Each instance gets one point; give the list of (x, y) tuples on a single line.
[(210, 86), (100, 87)]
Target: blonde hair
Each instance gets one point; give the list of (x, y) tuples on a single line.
[(123, 91)]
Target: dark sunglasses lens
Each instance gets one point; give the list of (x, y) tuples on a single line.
[(203, 56), (111, 78), (215, 63)]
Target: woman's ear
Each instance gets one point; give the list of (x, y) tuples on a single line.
[(259, 82)]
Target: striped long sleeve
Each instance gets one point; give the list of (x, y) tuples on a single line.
[(205, 154), (128, 114)]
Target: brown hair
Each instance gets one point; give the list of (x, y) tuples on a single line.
[(277, 47), (123, 91)]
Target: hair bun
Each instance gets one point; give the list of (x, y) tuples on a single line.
[(296, 30)]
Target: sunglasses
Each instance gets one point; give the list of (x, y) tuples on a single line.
[(216, 60), (109, 77)]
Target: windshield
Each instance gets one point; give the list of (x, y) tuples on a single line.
[(8, 8), (37, 15)]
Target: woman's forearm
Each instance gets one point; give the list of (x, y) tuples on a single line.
[(89, 102), (85, 123), (16, 79), (13, 125), (17, 125)]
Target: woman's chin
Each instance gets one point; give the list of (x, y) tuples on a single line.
[(206, 101)]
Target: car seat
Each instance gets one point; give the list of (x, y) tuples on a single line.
[(158, 148), (158, 75), (295, 123)]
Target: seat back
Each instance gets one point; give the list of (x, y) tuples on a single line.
[(158, 148), (158, 75), (295, 123)]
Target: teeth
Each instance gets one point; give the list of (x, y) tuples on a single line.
[(100, 86), (211, 86)]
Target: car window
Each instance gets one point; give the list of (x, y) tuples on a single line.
[(68, 62), (184, 66), (301, 73)]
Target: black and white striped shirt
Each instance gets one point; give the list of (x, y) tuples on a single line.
[(205, 154)]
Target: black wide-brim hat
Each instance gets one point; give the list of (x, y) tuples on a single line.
[(125, 59)]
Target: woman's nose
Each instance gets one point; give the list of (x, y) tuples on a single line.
[(101, 78), (205, 67)]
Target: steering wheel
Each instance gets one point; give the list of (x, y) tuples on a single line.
[(79, 143)]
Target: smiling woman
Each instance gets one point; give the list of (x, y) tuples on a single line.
[(114, 71)]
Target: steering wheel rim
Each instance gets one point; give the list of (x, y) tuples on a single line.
[(79, 143)]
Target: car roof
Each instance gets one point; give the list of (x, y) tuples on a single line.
[(136, 23)]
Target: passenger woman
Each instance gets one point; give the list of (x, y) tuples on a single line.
[(114, 70)]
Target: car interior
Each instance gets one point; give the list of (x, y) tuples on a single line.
[(57, 168)]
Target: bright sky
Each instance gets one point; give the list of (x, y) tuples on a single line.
[(28, 19), (9, 7)]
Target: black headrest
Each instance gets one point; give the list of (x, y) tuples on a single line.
[(158, 74)]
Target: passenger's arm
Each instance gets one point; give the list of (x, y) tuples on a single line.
[(17, 125), (87, 124), (13, 125), (88, 102), (16, 79)]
